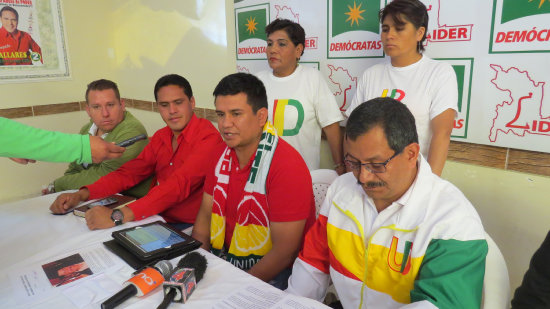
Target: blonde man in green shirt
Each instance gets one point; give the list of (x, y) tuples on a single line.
[(110, 121)]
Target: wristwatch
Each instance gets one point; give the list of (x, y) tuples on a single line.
[(117, 216)]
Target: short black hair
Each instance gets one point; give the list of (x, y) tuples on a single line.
[(411, 10), (102, 84), (245, 83), (391, 115), (176, 80), (295, 32), (9, 8)]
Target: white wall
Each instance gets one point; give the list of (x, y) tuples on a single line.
[(153, 38)]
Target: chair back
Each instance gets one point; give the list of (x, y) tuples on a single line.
[(496, 283), (321, 179)]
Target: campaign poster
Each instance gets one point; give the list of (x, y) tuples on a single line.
[(32, 41), (19, 34)]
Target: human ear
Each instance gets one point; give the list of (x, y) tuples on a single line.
[(420, 33), (262, 116), (412, 151)]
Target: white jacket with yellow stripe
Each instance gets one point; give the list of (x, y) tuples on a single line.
[(426, 250)]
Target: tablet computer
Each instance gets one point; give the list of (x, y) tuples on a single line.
[(155, 240)]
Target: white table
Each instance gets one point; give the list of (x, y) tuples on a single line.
[(29, 233)]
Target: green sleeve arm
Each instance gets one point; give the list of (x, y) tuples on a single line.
[(451, 275), (22, 141)]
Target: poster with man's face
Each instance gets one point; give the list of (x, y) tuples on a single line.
[(19, 34), (32, 41)]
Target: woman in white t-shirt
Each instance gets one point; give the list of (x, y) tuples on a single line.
[(427, 87), (300, 102)]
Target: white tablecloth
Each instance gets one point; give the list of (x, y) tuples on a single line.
[(29, 234)]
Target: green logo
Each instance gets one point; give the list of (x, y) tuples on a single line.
[(300, 122), (35, 56), (251, 24), (514, 9), (353, 15)]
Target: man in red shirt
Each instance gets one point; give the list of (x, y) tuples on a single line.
[(175, 155), (258, 199), (16, 46)]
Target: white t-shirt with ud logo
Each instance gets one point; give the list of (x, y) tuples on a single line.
[(427, 88), (300, 105)]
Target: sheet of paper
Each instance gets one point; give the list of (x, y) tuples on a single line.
[(92, 291), (47, 278), (254, 297)]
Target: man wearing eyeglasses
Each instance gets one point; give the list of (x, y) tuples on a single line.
[(392, 234)]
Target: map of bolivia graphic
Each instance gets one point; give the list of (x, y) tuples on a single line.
[(523, 112)]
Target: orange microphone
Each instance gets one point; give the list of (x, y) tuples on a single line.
[(141, 284)]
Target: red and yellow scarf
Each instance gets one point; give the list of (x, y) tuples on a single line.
[(251, 238)]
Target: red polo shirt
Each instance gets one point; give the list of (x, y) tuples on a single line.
[(14, 49), (180, 175)]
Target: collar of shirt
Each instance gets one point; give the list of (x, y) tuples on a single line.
[(5, 33), (235, 160), (423, 168), (93, 131), (409, 203), (189, 132)]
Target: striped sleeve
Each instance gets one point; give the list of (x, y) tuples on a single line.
[(451, 274), (310, 273)]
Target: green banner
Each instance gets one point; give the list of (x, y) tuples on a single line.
[(514, 9), (353, 15), (251, 24)]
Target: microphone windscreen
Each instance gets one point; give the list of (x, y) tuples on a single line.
[(195, 261)]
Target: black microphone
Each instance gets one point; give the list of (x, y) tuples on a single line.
[(182, 282), (141, 284), (132, 140)]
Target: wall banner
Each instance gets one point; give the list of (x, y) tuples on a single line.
[(498, 50)]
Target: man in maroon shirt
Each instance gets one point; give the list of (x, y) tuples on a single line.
[(16, 46), (175, 155)]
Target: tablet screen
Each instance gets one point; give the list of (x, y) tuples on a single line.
[(153, 237)]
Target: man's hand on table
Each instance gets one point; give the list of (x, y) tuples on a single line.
[(99, 217), (67, 201)]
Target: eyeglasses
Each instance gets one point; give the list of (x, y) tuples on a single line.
[(375, 168)]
